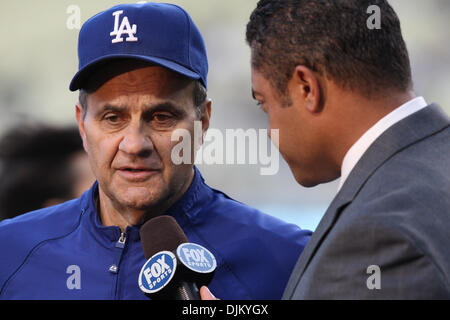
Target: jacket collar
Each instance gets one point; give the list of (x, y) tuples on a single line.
[(398, 137), (107, 235), (186, 208), (192, 201)]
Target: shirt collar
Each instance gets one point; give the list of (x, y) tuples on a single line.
[(365, 141)]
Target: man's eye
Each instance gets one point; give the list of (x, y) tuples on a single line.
[(112, 118), (162, 117)]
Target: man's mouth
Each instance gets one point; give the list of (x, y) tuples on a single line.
[(137, 174)]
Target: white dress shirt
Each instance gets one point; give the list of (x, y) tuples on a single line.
[(360, 147)]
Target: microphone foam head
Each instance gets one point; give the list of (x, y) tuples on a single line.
[(160, 234)]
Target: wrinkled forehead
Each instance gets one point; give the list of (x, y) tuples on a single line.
[(134, 74)]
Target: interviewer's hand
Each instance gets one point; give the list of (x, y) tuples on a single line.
[(205, 294)]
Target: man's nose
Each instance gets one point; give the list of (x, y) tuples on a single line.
[(136, 142)]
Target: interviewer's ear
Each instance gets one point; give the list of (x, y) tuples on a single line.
[(305, 84)]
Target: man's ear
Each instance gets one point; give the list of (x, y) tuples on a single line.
[(206, 116), (79, 114), (306, 85)]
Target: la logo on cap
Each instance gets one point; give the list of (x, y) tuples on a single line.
[(125, 27)]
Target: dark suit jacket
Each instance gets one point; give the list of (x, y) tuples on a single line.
[(393, 212)]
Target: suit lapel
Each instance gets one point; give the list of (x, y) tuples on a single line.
[(401, 135), (313, 244)]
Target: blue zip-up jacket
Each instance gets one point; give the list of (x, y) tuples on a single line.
[(64, 252)]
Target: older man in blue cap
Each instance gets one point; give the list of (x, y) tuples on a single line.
[(142, 75)]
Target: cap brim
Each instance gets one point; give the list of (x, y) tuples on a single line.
[(82, 75)]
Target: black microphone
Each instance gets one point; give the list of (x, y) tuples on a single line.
[(175, 268)]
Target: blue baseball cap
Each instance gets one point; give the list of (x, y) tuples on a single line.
[(159, 33)]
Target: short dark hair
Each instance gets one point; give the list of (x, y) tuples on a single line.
[(330, 37), (35, 166)]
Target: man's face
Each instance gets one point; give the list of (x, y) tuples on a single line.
[(298, 143), (127, 133)]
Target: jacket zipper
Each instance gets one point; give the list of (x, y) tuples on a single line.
[(114, 268), (121, 242)]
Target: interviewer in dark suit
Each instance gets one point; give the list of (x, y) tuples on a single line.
[(341, 95)]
